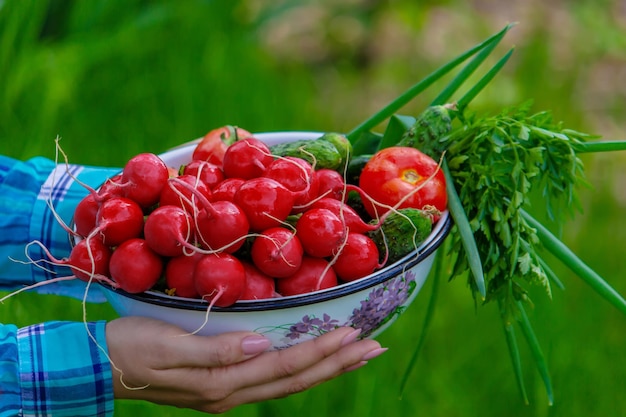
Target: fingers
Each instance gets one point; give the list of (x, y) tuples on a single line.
[(282, 373)]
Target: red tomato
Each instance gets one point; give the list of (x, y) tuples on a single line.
[(213, 145), (397, 172)]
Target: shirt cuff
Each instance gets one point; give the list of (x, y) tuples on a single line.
[(10, 400), (64, 369)]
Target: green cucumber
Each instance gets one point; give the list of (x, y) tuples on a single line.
[(342, 144), (330, 150), (430, 126), (401, 232)]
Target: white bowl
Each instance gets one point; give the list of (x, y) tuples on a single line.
[(371, 303)]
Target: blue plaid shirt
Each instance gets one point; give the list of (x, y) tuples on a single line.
[(53, 368)]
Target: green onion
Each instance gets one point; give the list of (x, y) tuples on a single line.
[(422, 85), (477, 88), (569, 259), (601, 146), (511, 341), (455, 207), (535, 349)]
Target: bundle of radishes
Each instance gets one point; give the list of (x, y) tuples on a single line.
[(236, 223)]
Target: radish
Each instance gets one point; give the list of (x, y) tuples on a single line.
[(112, 187), (347, 214), (167, 230), (330, 183), (176, 195), (226, 189), (85, 214), (118, 220), (247, 158), (298, 176), (179, 275), (134, 266), (208, 173), (143, 178), (314, 274), (277, 252), (220, 279), (89, 259), (221, 225), (265, 201), (259, 286), (358, 257), (321, 232)]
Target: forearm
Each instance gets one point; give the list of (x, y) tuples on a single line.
[(30, 194)]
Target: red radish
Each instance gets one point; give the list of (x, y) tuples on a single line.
[(265, 201), (277, 252), (167, 230), (221, 225), (134, 266), (214, 144), (347, 214), (259, 286), (220, 279), (118, 219), (86, 210), (314, 274), (143, 178), (208, 173), (226, 189), (112, 187), (90, 259), (357, 258), (176, 195), (331, 183), (321, 232), (297, 176), (179, 275), (85, 214), (247, 158)]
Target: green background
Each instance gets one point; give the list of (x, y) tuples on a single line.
[(115, 78)]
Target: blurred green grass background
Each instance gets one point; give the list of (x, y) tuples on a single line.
[(114, 78)]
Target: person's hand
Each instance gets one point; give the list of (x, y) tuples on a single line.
[(163, 364)]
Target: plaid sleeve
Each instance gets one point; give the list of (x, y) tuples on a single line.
[(29, 191), (10, 400), (55, 369)]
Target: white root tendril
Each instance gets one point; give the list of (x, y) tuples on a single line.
[(208, 311)]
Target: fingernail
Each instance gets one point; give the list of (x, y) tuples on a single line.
[(350, 337), (356, 366), (373, 353), (252, 345)]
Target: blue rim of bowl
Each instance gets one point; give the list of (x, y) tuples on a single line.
[(433, 242)]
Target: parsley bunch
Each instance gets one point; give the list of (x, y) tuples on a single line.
[(496, 163)]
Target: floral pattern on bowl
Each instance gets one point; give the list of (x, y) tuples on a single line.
[(383, 304)]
